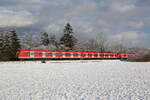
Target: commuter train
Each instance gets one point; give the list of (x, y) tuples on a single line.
[(68, 55)]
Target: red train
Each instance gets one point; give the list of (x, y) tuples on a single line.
[(46, 54)]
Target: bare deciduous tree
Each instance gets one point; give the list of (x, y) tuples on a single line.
[(102, 42), (29, 41), (118, 48)]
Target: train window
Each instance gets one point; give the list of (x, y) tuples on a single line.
[(40, 54), (67, 54), (48, 54), (75, 54), (101, 54), (83, 54), (106, 54), (36, 54), (95, 55), (89, 54), (58, 54), (28, 53), (32, 53)]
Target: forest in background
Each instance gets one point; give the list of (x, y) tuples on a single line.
[(11, 43)]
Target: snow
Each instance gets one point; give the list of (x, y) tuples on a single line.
[(75, 80)]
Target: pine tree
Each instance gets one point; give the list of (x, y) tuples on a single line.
[(6, 49), (68, 40), (1, 45), (45, 39), (9, 45), (15, 44)]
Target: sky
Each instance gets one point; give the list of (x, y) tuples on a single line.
[(125, 22)]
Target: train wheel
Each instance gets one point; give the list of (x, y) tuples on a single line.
[(43, 61)]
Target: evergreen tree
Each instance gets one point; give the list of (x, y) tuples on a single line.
[(68, 40), (45, 39), (14, 44), (1, 45), (6, 49), (9, 45)]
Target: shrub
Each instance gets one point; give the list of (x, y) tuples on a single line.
[(140, 58)]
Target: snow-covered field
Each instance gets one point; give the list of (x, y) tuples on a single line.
[(75, 80)]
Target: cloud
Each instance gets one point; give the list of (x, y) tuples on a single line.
[(117, 18), (121, 7), (16, 19), (131, 38), (53, 28), (136, 25)]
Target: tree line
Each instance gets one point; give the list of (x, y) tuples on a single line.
[(48, 41), (11, 43)]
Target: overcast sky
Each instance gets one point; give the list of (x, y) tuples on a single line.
[(124, 21)]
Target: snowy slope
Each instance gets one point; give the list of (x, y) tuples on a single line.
[(75, 80)]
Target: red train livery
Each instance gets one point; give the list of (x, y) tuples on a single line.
[(46, 54)]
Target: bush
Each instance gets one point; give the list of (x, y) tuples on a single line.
[(140, 58)]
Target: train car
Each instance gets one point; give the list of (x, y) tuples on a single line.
[(62, 55)]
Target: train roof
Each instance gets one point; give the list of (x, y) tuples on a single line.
[(27, 50)]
